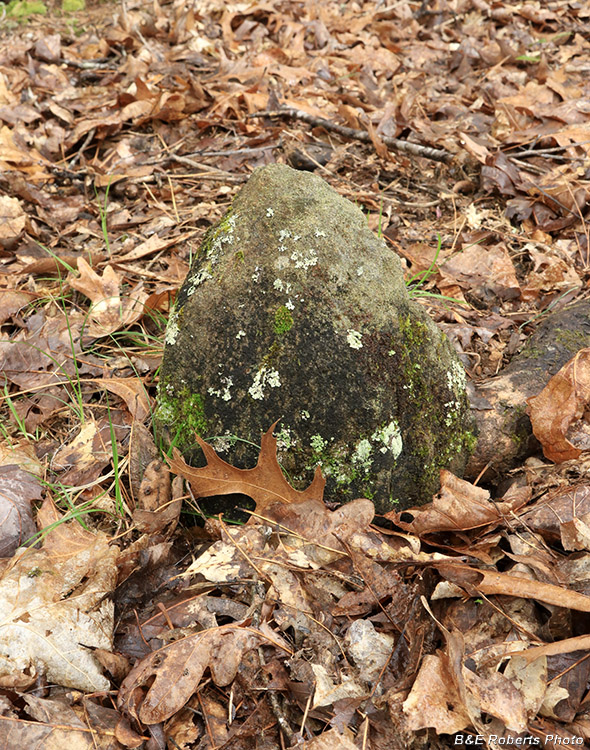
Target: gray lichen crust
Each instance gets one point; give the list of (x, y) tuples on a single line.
[(293, 308)]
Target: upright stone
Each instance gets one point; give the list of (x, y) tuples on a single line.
[(294, 309)]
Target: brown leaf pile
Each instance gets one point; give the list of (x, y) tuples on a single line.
[(461, 127)]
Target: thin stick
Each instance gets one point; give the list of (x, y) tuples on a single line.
[(395, 144)]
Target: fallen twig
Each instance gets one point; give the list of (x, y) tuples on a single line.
[(396, 144)]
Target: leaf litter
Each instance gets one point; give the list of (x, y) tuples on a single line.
[(308, 626)]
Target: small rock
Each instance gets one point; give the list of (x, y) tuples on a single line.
[(294, 309)]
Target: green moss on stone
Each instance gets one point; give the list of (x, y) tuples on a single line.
[(460, 439), (181, 416), (571, 340), (283, 320), (531, 351)]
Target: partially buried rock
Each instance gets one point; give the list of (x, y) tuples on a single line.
[(294, 309)]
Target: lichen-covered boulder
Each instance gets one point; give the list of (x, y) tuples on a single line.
[(294, 309)]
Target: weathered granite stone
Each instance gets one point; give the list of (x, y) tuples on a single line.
[(294, 309)]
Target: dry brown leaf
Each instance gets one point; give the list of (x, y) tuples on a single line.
[(133, 393), (18, 489), (458, 506), (434, 700), (561, 514), (83, 726), (110, 311), (487, 267), (265, 483), (11, 301), (563, 400), (333, 739)]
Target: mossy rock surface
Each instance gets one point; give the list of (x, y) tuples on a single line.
[(294, 309)]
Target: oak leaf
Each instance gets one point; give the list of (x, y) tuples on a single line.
[(265, 483)]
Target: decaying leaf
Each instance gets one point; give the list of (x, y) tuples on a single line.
[(175, 671), (55, 608), (265, 483), (85, 457), (87, 726)]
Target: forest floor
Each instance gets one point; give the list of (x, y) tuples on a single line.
[(125, 131)]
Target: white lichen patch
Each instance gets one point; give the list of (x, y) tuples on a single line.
[(360, 271), (224, 235), (198, 278), (270, 212), (456, 378), (225, 391), (240, 334), (172, 329), (265, 377), (453, 409), (284, 439), (319, 232), (305, 259), (391, 438), (256, 274), (354, 339), (289, 304), (362, 455), (223, 443), (317, 443), (282, 286), (304, 414)]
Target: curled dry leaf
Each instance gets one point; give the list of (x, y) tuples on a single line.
[(265, 483), (563, 401), (156, 507)]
